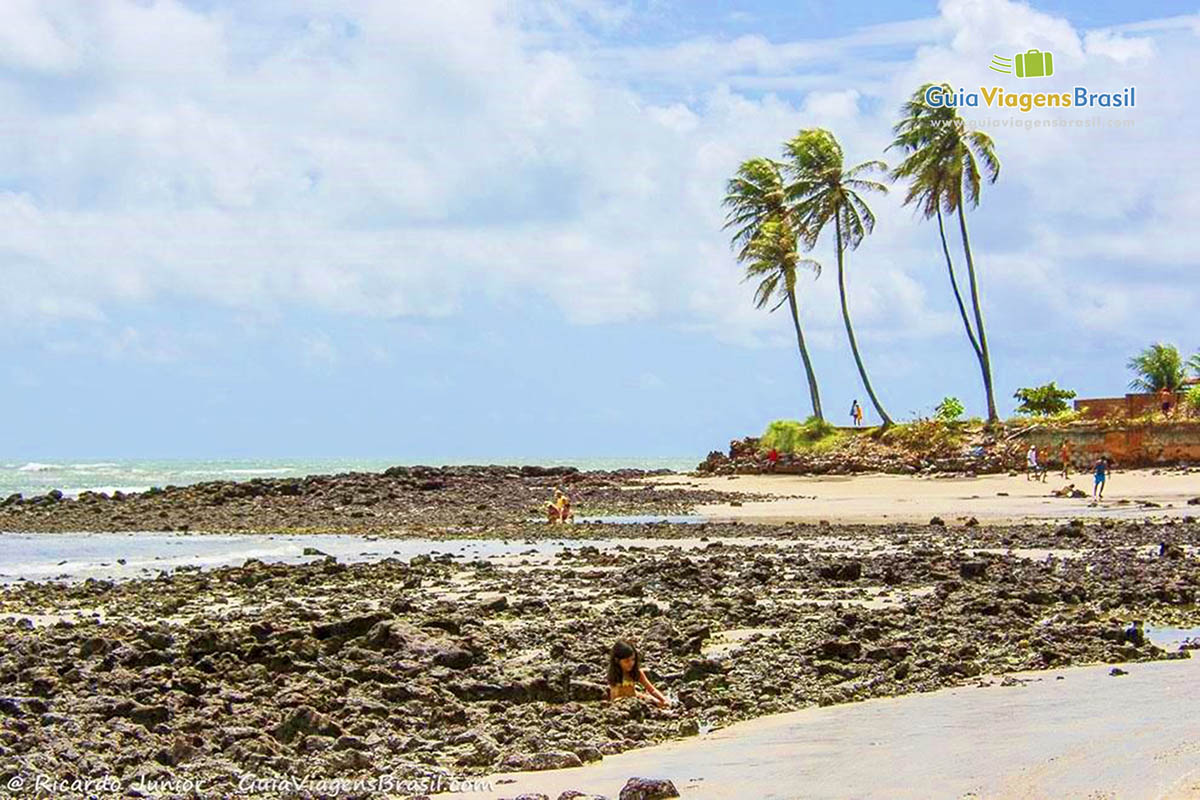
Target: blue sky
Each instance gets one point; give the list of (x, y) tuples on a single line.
[(483, 229)]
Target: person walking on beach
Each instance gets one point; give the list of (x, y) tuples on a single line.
[(625, 674), (1033, 470), (856, 413), (1064, 455), (1100, 471)]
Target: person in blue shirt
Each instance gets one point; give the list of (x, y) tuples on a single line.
[(1100, 471)]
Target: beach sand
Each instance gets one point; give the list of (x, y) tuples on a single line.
[(878, 498), (1059, 733)]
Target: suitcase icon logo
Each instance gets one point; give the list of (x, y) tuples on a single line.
[(1031, 64)]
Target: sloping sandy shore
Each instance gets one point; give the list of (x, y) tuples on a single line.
[(1065, 733), (902, 498)]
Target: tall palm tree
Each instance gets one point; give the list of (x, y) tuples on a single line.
[(822, 190), (1157, 367), (945, 166), (766, 243), (1194, 364)]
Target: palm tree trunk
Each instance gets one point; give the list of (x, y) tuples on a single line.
[(808, 367), (962, 309), (985, 361), (862, 371)]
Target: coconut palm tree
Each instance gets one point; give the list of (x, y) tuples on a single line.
[(822, 190), (1194, 364), (945, 166), (1157, 367), (766, 242)]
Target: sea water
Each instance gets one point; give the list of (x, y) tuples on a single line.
[(74, 476)]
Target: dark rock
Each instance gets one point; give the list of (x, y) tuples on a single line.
[(701, 668), (972, 569), (842, 651), (536, 762), (304, 720), (347, 628), (648, 789)]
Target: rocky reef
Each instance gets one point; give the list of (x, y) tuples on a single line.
[(444, 666)]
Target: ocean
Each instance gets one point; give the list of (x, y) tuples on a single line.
[(74, 476)]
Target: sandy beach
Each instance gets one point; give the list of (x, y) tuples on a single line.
[(1062, 733), (994, 499)]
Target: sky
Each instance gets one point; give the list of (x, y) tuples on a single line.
[(489, 228)]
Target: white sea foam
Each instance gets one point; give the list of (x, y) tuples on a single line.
[(97, 465), (262, 471), (34, 466), (106, 489)]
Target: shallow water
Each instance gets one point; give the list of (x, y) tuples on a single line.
[(644, 519), (1169, 638), (78, 556)]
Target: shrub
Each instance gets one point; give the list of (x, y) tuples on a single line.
[(1191, 400), (789, 435), (949, 410), (930, 438), (1043, 401)]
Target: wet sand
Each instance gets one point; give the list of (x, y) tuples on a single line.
[(1089, 735), (994, 499)]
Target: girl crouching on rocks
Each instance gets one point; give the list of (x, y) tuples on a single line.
[(625, 673)]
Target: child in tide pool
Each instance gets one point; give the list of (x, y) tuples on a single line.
[(625, 674)]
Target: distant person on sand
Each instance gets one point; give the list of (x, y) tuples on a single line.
[(1064, 455), (1100, 471), (856, 413), (625, 674), (1033, 470), (772, 459)]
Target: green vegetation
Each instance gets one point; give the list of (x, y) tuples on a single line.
[(1157, 367), (1043, 401), (766, 242), (933, 437), (945, 164), (791, 436), (949, 410), (1057, 419), (1191, 400)]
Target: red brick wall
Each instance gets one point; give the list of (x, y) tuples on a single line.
[(1131, 446), (1131, 405)]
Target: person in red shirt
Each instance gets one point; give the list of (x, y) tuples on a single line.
[(772, 459)]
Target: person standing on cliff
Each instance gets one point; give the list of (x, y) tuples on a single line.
[(856, 413), (1164, 396)]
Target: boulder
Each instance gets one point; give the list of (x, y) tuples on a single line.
[(648, 789)]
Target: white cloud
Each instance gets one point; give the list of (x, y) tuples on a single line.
[(383, 159)]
